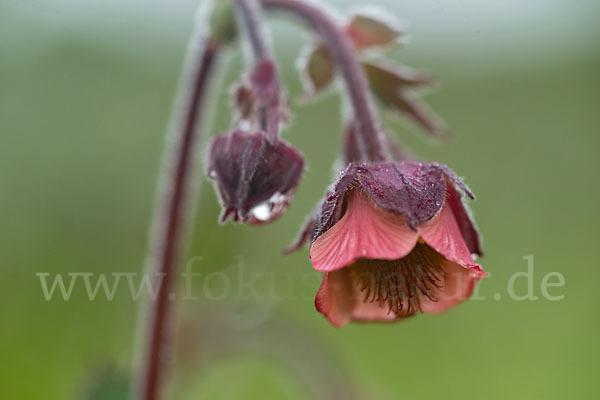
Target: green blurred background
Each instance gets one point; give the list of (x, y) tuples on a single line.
[(85, 94)]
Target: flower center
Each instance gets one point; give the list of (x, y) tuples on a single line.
[(401, 283)]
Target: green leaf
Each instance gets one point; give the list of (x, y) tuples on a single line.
[(369, 31), (317, 69), (394, 87)]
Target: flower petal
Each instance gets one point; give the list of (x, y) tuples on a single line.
[(464, 219), (443, 234), (377, 311), (458, 286), (340, 300), (365, 231), (335, 297)]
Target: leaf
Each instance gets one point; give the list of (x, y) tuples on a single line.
[(421, 114), (394, 88), (369, 31), (317, 69), (389, 78)]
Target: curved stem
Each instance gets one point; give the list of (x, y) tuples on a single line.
[(174, 196), (372, 139)]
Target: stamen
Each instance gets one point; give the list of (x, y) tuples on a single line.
[(400, 283)]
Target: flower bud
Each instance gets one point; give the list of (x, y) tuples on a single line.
[(259, 102), (222, 22), (255, 179)]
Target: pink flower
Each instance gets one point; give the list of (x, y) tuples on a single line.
[(393, 239)]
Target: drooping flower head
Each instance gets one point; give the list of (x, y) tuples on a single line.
[(393, 239), (255, 171), (254, 178)]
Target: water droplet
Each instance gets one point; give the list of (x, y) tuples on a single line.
[(245, 125), (262, 212), (266, 210)]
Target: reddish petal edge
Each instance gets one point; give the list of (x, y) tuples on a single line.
[(458, 286), (444, 236), (340, 301), (365, 231), (334, 298)]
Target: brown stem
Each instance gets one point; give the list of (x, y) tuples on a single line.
[(249, 19), (373, 141), (174, 201)]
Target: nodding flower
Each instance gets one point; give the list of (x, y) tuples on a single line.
[(254, 178), (393, 239)]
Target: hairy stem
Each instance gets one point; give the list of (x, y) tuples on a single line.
[(175, 194), (249, 19), (372, 139)]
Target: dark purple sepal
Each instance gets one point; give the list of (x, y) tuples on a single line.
[(332, 206), (456, 180), (416, 190), (463, 214), (306, 233), (254, 178), (327, 212)]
